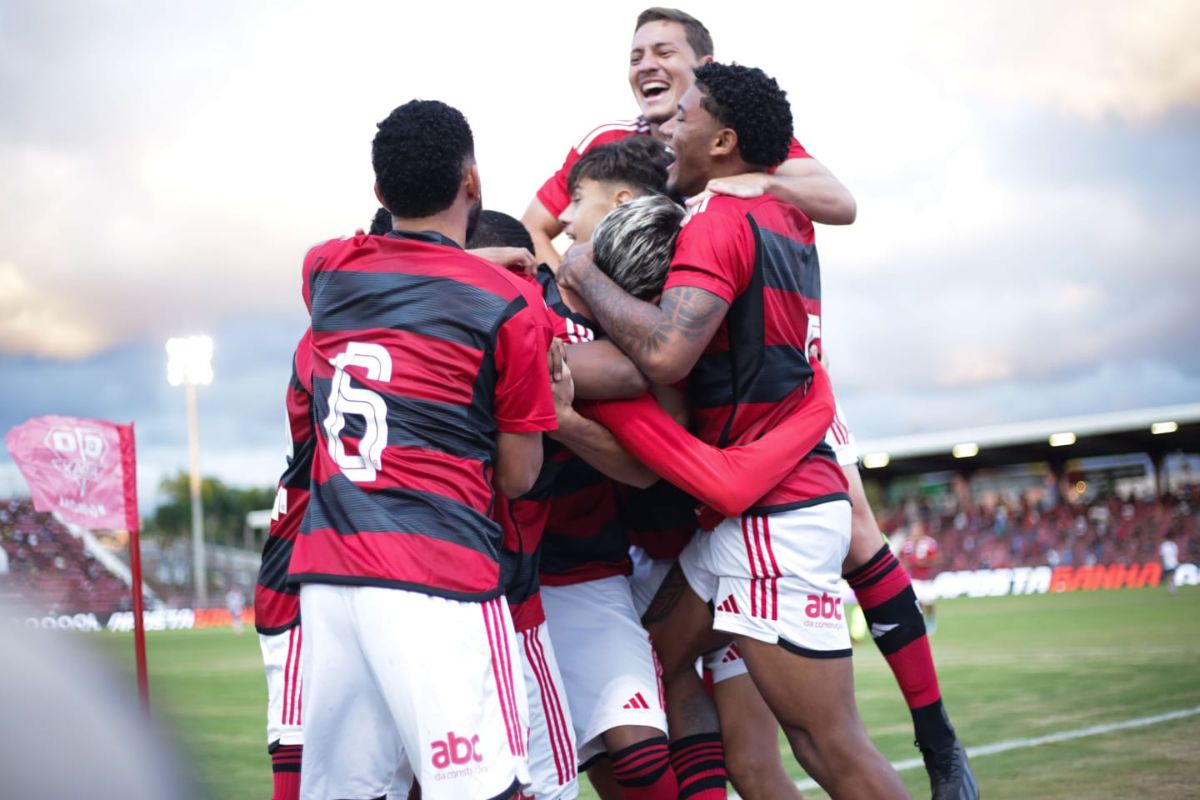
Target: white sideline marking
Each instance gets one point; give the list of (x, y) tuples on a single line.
[(1019, 744)]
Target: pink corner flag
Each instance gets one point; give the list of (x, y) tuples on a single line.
[(82, 468)]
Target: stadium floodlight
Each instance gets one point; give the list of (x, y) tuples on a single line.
[(1164, 427), (965, 450), (1062, 439), (876, 460), (189, 364)]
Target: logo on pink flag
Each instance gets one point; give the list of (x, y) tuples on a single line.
[(81, 468)]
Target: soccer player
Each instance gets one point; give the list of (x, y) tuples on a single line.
[(735, 286), (430, 386), (668, 44), (276, 602), (553, 772), (919, 555), (1168, 551)]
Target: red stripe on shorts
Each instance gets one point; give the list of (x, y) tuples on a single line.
[(493, 632), (550, 711), (753, 569)]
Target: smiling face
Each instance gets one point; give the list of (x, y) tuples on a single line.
[(692, 134), (661, 63)]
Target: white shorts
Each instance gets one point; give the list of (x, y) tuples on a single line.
[(610, 670), (775, 578), (648, 575), (841, 438), (399, 682), (281, 661), (553, 772)]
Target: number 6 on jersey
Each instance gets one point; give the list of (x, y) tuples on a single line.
[(345, 398)]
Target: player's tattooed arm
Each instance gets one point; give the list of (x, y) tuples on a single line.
[(664, 340)]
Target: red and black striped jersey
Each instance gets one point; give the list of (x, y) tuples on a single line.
[(554, 195), (277, 602), (583, 538), (759, 256), (422, 353)]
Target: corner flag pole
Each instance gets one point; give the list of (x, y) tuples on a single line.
[(133, 524)]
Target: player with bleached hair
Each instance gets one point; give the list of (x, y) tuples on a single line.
[(634, 242)]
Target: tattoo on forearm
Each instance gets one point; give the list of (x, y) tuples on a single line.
[(642, 329)]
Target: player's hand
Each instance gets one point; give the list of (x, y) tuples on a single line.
[(518, 259), (556, 360), (748, 184), (575, 263), (564, 392)]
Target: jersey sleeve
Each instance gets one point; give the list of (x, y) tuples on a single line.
[(713, 252), (728, 480), (796, 150), (523, 399), (553, 195)]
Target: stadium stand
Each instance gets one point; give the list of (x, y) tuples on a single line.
[(989, 510), (1024, 531), (50, 569)]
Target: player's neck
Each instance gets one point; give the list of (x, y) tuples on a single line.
[(448, 223), (727, 167)]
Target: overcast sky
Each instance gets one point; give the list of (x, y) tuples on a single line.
[(1027, 177)]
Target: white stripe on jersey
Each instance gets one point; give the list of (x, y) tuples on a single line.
[(633, 125)]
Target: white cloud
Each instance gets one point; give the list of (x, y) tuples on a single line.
[(42, 323)]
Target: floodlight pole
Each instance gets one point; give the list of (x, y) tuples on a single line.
[(199, 567)]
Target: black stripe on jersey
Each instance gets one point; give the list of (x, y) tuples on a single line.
[(341, 506), (427, 424), (563, 553), (555, 302), (299, 468), (273, 572), (572, 476), (519, 575), (789, 265), (782, 370), (431, 306)]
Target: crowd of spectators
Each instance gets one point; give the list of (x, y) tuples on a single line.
[(1036, 527), (49, 569)]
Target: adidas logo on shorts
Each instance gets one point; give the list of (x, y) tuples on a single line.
[(637, 701), (729, 605)]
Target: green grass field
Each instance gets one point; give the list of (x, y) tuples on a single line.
[(1010, 668)]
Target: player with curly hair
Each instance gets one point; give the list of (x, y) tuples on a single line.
[(733, 320)]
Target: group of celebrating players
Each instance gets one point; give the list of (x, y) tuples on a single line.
[(543, 517)]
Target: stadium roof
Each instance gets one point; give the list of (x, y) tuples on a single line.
[(1153, 430)]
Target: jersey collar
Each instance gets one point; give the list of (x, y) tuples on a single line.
[(432, 237)]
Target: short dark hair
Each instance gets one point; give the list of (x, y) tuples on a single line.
[(634, 243), (497, 229), (419, 155), (698, 37), (381, 225), (751, 102), (639, 161)]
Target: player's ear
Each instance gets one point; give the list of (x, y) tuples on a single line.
[(379, 195), (622, 196), (471, 184), (723, 143)]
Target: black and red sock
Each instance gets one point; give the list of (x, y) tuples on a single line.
[(885, 593), (699, 764), (285, 765), (643, 771)]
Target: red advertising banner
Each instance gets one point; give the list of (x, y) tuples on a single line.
[(83, 469)]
